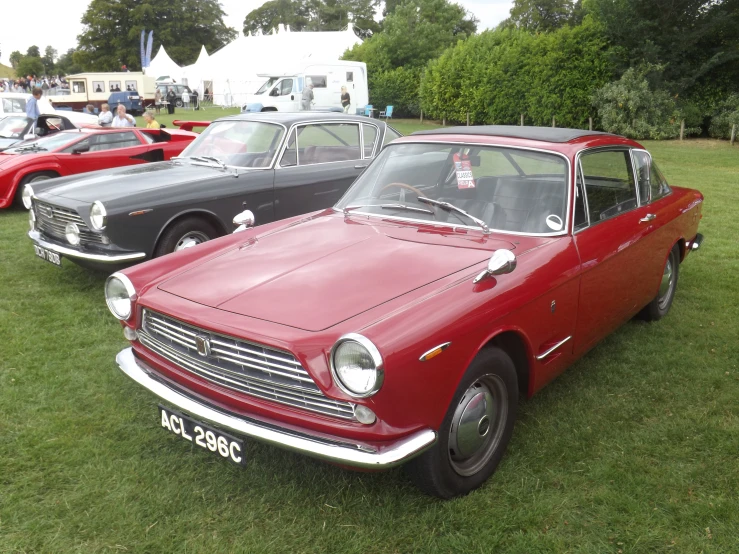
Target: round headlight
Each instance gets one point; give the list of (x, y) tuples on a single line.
[(98, 216), (119, 295), (357, 366), (31, 220), (26, 196), (72, 232)]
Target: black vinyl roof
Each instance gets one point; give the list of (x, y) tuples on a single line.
[(545, 134)]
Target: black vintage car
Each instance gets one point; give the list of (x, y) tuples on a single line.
[(276, 165)]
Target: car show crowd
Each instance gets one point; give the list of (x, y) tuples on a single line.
[(28, 83)]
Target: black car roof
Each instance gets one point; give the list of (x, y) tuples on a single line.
[(288, 118), (545, 134)]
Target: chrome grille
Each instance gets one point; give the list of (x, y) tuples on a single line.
[(52, 220), (243, 366)]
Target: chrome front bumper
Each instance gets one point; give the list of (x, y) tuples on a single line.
[(35, 236), (695, 244), (339, 451)]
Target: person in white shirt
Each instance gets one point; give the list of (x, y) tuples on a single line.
[(105, 119), (186, 99), (122, 119)]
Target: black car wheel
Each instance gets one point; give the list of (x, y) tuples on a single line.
[(660, 305), (178, 103), (476, 429), (185, 233), (32, 178)]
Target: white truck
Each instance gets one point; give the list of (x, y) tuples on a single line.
[(282, 92)]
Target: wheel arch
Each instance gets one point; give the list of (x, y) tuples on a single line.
[(30, 172), (269, 109), (206, 215), (514, 343), (681, 245)]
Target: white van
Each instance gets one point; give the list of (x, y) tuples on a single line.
[(282, 91)]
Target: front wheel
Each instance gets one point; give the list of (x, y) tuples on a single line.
[(32, 178), (186, 233), (660, 305), (476, 429)]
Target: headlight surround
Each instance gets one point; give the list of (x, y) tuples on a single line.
[(119, 295), (98, 216), (357, 366), (26, 196), (32, 220), (72, 233)]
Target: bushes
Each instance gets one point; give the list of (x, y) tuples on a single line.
[(498, 75), (397, 87), (726, 115)]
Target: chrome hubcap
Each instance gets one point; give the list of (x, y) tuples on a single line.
[(189, 240), (477, 425), (665, 286)]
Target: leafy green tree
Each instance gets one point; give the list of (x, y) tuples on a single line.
[(724, 117), (270, 14), (29, 65), (33, 51), (541, 15), (65, 65), (48, 60), (15, 57), (111, 36)]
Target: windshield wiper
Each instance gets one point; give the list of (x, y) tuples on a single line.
[(389, 207), (215, 160), (33, 147), (452, 208), (205, 159)]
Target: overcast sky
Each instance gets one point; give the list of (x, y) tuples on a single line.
[(59, 28)]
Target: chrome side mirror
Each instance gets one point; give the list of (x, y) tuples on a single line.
[(243, 221), (501, 262)]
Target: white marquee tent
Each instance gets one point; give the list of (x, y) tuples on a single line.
[(232, 72), (162, 65)]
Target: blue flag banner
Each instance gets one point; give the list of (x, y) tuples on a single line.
[(143, 53), (148, 48)]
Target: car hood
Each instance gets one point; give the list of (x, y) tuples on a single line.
[(110, 184), (324, 270)]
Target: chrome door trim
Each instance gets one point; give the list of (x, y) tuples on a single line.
[(552, 349)]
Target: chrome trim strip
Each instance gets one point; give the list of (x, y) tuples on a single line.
[(553, 348), (443, 347), (697, 242), (294, 126), (70, 253), (356, 455)]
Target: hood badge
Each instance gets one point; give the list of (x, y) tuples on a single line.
[(202, 343)]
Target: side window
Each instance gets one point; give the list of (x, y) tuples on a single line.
[(658, 183), (581, 215), (286, 87), (390, 135), (328, 142), (319, 81), (110, 141), (81, 146), (609, 183), (642, 161), (290, 156), (369, 133), (78, 86), (349, 76)]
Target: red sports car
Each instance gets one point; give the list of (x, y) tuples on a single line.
[(82, 150), (465, 267)]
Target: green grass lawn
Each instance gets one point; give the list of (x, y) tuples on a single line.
[(634, 449)]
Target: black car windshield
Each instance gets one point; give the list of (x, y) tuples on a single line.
[(509, 189), (237, 143), (50, 143), (14, 126)]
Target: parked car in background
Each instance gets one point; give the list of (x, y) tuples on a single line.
[(73, 152), (279, 165), (130, 99), (178, 90), (15, 103), (466, 267), (15, 129)]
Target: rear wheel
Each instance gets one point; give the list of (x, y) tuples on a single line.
[(660, 305), (475, 431), (32, 178), (178, 103), (185, 233)]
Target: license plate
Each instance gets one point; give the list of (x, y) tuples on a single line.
[(204, 436), (48, 255)]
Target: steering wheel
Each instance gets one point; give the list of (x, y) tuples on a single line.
[(403, 186)]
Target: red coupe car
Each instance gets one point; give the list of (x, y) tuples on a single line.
[(82, 150), (465, 267)]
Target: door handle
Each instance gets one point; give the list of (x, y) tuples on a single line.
[(360, 166), (648, 218)]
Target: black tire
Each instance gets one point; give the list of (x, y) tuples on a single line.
[(445, 470), (31, 178), (658, 308), (179, 103), (177, 234)]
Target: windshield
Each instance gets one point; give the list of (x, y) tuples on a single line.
[(237, 143), (14, 127), (511, 190), (50, 143), (267, 85)]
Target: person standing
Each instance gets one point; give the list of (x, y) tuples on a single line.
[(122, 119), (307, 97), (105, 119), (158, 100), (32, 109), (346, 100), (171, 99), (185, 99)]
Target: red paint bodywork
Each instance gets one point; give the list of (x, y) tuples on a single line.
[(300, 284), (14, 167)]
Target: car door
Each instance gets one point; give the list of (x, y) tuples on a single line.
[(611, 242), (104, 150), (319, 163)]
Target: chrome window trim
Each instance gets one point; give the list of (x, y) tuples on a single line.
[(374, 149), (281, 151), (578, 169), (271, 163), (595, 150), (568, 208)]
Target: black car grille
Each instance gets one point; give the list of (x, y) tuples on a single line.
[(240, 365), (52, 221)]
